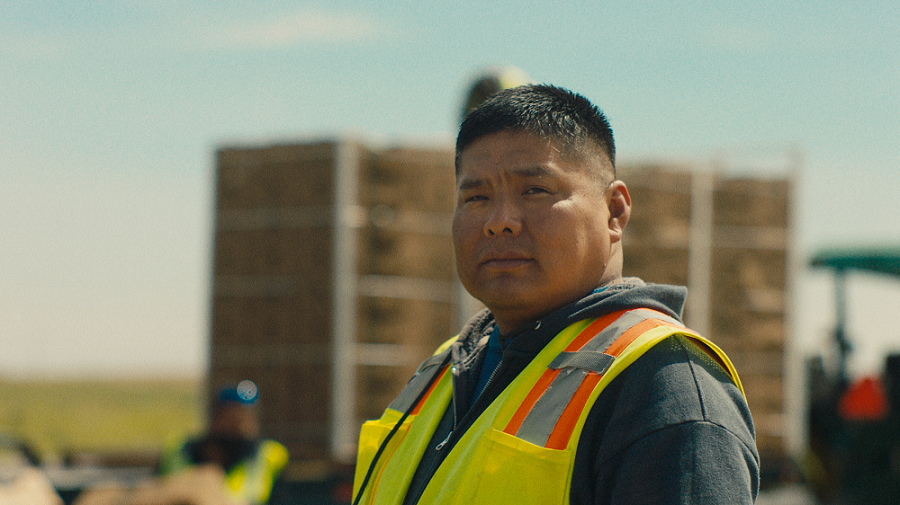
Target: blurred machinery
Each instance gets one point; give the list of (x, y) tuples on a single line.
[(854, 425)]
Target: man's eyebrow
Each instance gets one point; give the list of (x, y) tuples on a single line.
[(532, 171), (470, 183)]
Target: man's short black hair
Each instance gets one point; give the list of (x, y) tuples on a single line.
[(551, 112)]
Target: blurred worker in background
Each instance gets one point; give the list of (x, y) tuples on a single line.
[(576, 385), (251, 465), (229, 465)]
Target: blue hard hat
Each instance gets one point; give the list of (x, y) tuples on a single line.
[(245, 393)]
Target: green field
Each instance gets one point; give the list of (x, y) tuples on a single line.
[(61, 417)]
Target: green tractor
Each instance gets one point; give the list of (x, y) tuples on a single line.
[(854, 425)]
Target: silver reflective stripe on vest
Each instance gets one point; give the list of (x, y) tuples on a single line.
[(419, 382), (628, 320), (594, 361), (539, 423), (574, 366)]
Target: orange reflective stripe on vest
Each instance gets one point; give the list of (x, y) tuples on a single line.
[(548, 420), (424, 399), (419, 381)]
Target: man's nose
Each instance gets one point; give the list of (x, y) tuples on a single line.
[(504, 218)]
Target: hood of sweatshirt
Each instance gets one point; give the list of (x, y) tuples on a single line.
[(521, 345)]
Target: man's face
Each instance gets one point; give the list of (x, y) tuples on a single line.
[(531, 229), (234, 420)]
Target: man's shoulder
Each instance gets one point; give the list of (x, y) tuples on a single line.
[(678, 365), (671, 404), (674, 383)]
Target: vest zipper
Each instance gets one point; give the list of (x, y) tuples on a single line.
[(441, 445), (444, 442), (420, 489)]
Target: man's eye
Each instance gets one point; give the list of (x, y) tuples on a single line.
[(475, 198), (535, 190)]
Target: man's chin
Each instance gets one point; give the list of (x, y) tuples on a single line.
[(504, 296), (516, 310)]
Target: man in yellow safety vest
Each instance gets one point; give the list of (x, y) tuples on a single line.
[(575, 385), (250, 464)]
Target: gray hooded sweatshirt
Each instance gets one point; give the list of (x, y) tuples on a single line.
[(670, 429)]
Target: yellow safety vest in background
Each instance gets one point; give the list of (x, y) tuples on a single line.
[(521, 449), (249, 481), (252, 479)]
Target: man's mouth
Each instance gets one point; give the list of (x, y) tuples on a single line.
[(505, 260)]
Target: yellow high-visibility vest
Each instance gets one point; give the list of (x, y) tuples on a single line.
[(521, 449), (249, 481)]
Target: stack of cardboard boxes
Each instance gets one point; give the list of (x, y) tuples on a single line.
[(333, 277)]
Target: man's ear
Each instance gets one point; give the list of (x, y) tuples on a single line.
[(619, 209)]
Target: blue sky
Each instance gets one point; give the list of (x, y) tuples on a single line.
[(110, 112)]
